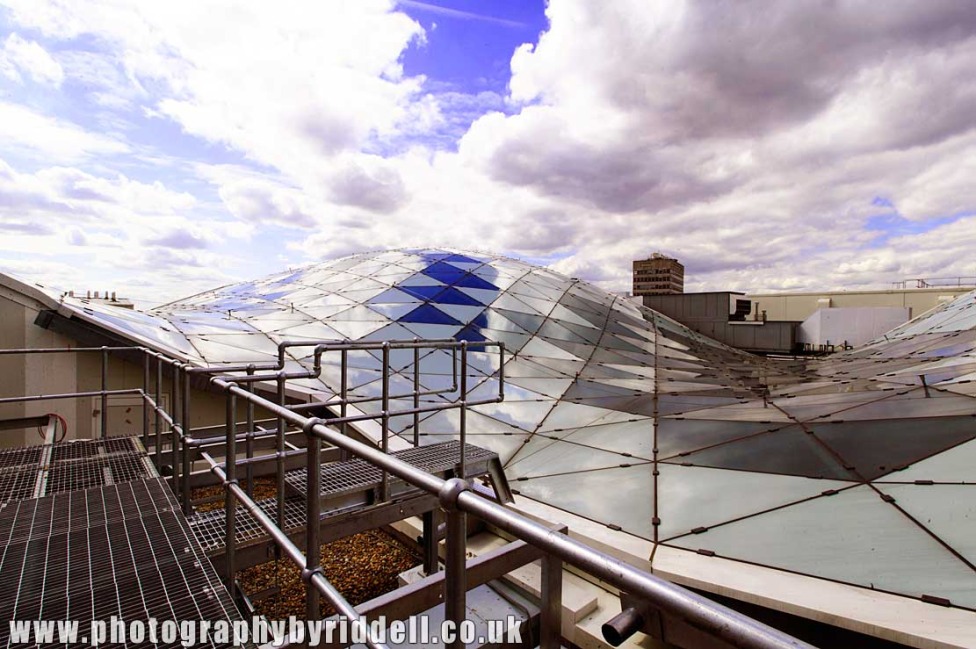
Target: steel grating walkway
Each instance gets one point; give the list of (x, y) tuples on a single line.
[(345, 486), (120, 550), (108, 539), (36, 471)]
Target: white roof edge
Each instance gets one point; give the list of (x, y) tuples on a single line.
[(32, 290), (882, 615)]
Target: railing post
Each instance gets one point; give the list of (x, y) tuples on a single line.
[(430, 542), (462, 470), (552, 602), (230, 500), (187, 452), (385, 484), (416, 392), (104, 395), (313, 506), (145, 395), (176, 431), (159, 404), (280, 459), (343, 396), (249, 439), (455, 579)]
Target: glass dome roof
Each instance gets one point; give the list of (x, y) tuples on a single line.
[(858, 469)]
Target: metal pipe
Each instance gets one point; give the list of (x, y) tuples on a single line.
[(159, 423), (455, 582), (621, 626), (187, 453), (280, 448), (717, 620), (416, 394), (385, 421), (282, 541), (104, 393), (176, 428), (230, 538), (145, 405), (68, 350), (67, 395), (344, 397), (249, 439), (552, 602), (313, 506), (463, 426)]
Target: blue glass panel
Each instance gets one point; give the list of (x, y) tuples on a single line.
[(454, 296), (470, 280), (429, 315), (422, 292), (471, 334), (444, 272), (461, 258)]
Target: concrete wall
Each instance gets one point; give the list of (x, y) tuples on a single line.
[(800, 306), (36, 374), (849, 325)]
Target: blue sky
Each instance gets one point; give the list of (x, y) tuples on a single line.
[(159, 149)]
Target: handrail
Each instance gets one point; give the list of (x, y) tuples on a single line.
[(457, 499)]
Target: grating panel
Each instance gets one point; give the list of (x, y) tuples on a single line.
[(17, 484), (210, 527), (338, 478), (83, 449), (122, 550), (85, 474), (18, 457)]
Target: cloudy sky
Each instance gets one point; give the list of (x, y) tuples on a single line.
[(160, 148)]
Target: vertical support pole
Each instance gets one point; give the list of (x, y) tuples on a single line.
[(416, 392), (280, 457), (462, 470), (455, 581), (230, 500), (249, 439), (188, 453), (176, 431), (159, 404), (552, 602), (343, 395), (385, 484), (145, 395), (104, 393), (430, 542), (313, 507)]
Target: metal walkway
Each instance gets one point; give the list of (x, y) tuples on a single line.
[(349, 487), (119, 550)]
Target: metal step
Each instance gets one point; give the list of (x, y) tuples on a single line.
[(347, 487)]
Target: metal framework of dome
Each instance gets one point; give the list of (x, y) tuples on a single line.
[(859, 469)]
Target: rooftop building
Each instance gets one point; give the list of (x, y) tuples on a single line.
[(658, 275)]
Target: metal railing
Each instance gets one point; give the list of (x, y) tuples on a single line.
[(457, 499), (456, 496)]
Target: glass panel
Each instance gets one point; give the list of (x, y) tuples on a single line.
[(680, 436), (562, 457), (955, 465), (853, 537), (691, 497), (878, 447), (789, 451), (623, 497)]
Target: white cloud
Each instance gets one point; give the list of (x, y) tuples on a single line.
[(49, 137), (21, 55), (756, 157)]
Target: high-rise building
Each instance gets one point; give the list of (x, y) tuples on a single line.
[(658, 275)]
